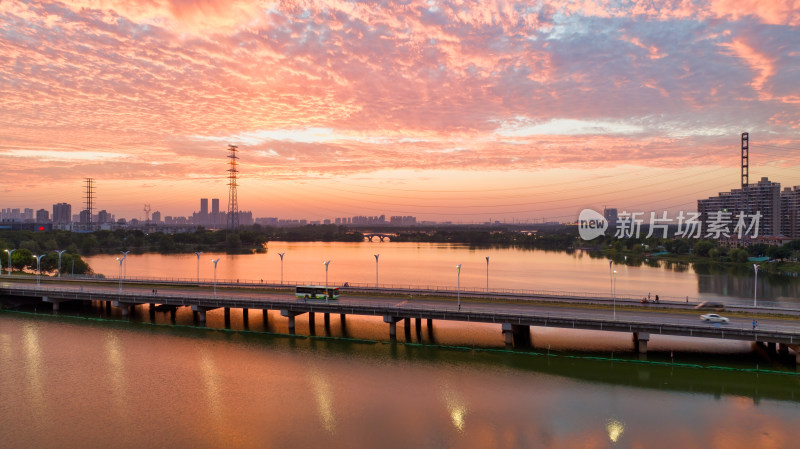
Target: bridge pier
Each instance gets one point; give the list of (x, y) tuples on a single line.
[(227, 317), (290, 314), (265, 316), (640, 340), (418, 326), (246, 318), (125, 307), (517, 335), (56, 303), (200, 312), (392, 320), (312, 323), (326, 318)]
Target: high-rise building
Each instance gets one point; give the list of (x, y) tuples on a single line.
[(216, 219), (790, 212), (62, 213), (611, 216), (103, 217), (763, 197), (42, 216), (156, 217)]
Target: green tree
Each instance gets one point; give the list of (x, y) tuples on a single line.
[(702, 248)]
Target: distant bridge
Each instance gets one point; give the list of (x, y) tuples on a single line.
[(383, 237)]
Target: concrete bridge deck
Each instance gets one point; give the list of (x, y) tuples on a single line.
[(515, 314)]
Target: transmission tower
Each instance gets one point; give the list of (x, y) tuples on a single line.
[(233, 202), (147, 212), (89, 189), (745, 157)]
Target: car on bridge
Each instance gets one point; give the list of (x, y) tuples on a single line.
[(714, 318)]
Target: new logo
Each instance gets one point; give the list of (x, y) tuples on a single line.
[(591, 224)]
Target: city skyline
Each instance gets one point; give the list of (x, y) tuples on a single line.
[(464, 112)]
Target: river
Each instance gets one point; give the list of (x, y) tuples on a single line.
[(89, 378)]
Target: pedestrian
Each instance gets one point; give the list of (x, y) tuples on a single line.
[(687, 299), (656, 298), (755, 324), (648, 295)]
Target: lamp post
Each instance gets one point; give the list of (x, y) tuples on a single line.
[(487, 274), (376, 270), (281, 254), (458, 289), (755, 285), (10, 267), (215, 276), (59, 261), (198, 254), (125, 266), (119, 277), (326, 280), (611, 276), (614, 293), (38, 268)]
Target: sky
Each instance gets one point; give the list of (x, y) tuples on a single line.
[(467, 111)]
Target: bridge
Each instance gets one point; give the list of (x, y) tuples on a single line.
[(778, 328), (382, 237)]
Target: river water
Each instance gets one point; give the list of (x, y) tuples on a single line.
[(434, 265), (89, 378)]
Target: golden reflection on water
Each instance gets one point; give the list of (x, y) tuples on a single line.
[(118, 375), (323, 393), (456, 407), (615, 429), (208, 369), (33, 368)]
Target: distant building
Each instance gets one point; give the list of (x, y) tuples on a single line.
[(62, 213), (611, 216), (156, 217), (403, 221), (790, 212), (42, 216), (763, 197)]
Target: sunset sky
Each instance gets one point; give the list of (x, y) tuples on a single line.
[(446, 110)]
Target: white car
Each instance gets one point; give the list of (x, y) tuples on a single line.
[(714, 318)]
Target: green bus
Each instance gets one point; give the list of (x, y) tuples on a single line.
[(316, 292)]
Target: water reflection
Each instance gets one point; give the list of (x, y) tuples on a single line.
[(456, 407), (615, 429), (34, 369), (323, 394), (117, 373)]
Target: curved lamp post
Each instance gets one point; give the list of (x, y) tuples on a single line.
[(487, 274), (614, 293), (119, 277), (755, 285), (39, 268), (458, 290), (215, 276), (59, 261), (198, 254), (281, 254), (10, 267), (124, 265), (376, 270), (326, 280)]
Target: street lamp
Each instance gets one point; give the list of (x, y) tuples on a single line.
[(119, 277), (487, 274), (10, 267), (125, 266), (614, 293), (755, 285), (215, 276), (458, 290), (611, 276), (198, 254), (326, 280), (376, 270), (38, 268), (59, 261), (281, 254)]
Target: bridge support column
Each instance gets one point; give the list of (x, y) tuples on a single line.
[(55, 303), (290, 314), (125, 307), (265, 316), (227, 317), (246, 318), (312, 323), (430, 323), (326, 317), (640, 340), (418, 326), (392, 320), (200, 312), (517, 335)]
